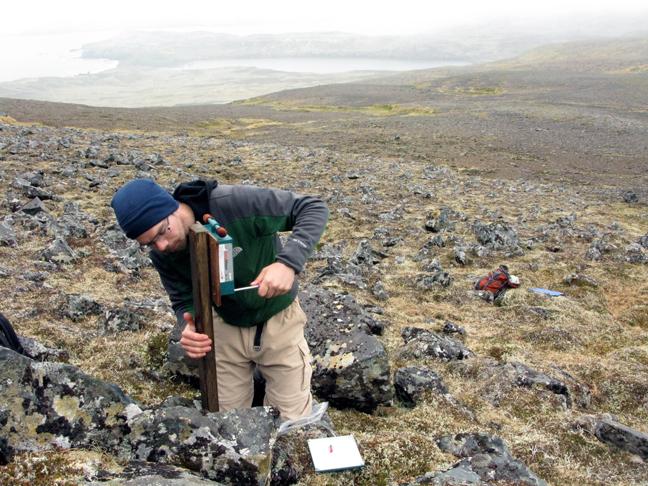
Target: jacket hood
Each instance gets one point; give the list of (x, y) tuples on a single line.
[(196, 195)]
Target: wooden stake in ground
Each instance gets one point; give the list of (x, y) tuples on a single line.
[(200, 247)]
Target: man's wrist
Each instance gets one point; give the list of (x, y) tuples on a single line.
[(287, 265)]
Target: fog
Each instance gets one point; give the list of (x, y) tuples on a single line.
[(42, 38), (33, 17)]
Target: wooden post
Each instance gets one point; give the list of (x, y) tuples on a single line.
[(200, 281)]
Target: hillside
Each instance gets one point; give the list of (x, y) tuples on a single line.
[(432, 179), (580, 119), (406, 240)]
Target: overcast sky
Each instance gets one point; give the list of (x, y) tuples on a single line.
[(43, 37), (275, 16)]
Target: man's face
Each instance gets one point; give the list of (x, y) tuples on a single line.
[(168, 236)]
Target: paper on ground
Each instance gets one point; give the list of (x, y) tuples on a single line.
[(335, 453)]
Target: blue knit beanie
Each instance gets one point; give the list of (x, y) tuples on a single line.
[(141, 204)]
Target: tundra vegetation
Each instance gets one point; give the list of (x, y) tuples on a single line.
[(433, 179)]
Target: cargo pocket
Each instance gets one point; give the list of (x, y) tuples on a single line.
[(307, 368), (300, 315)]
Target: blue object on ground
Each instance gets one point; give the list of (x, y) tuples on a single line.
[(551, 293)]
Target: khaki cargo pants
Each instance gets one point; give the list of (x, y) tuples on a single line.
[(283, 359)]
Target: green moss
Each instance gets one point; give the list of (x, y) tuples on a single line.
[(156, 350), (372, 110), (473, 90)]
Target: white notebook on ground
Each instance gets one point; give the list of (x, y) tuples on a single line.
[(335, 453)]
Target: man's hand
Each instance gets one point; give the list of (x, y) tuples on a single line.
[(196, 345), (275, 279)]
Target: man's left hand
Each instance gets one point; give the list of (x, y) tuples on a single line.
[(275, 279)]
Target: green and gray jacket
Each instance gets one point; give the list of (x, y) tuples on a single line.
[(252, 216)]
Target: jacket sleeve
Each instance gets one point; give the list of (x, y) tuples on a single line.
[(307, 220), (274, 210)]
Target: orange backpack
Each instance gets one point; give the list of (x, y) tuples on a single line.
[(496, 282)]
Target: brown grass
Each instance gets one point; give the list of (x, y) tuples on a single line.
[(596, 334)]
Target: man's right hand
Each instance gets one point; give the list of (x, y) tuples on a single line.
[(196, 345)]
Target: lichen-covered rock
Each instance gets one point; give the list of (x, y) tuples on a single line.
[(452, 328), (7, 234), (51, 404), (600, 247), (127, 253), (34, 207), (526, 377), (379, 291), (345, 271), (39, 352), (59, 252), (6, 451), (440, 223), (437, 278), (30, 190), (488, 457), (500, 378), (497, 236), (634, 253), (626, 438), (72, 222), (178, 364), (232, 447), (643, 241), (119, 320), (421, 343), (459, 475), (412, 382), (80, 306), (140, 473), (366, 255), (580, 280), (36, 178), (351, 368)]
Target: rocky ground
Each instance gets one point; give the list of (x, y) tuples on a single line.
[(433, 179), (454, 387)]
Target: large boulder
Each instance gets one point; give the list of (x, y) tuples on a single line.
[(351, 368), (50, 405), (232, 447), (47, 405), (421, 343)]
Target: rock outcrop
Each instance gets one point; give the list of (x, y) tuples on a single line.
[(351, 367), (484, 459)]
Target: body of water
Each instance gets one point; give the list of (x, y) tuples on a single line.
[(35, 56), (321, 65)]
